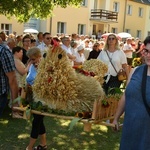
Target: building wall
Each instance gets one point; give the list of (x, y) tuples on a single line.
[(121, 16), (18, 27), (132, 22), (147, 22), (73, 16)]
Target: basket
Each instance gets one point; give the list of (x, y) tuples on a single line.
[(102, 112)]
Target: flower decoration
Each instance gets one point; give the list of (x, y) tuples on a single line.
[(97, 68), (79, 69), (136, 62), (94, 68)]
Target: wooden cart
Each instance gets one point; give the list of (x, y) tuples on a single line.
[(100, 114)]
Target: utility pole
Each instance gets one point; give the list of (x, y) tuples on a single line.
[(51, 25), (125, 13)]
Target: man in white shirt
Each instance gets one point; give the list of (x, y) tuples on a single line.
[(46, 43), (128, 50), (10, 43), (39, 38), (66, 47)]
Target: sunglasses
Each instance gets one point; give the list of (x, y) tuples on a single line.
[(146, 51), (111, 39), (48, 38)]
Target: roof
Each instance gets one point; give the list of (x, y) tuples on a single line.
[(147, 2)]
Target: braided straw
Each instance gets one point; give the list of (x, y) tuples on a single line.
[(61, 87)]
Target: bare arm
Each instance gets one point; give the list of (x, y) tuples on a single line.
[(77, 63), (121, 105), (21, 67), (72, 57), (13, 84), (129, 50), (126, 68), (120, 109)]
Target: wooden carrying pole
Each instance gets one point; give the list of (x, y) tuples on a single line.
[(87, 122)]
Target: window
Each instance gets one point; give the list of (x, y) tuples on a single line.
[(129, 10), (127, 30), (140, 12), (81, 29), (139, 34), (84, 3), (61, 27), (7, 28), (116, 7), (114, 30), (95, 4)]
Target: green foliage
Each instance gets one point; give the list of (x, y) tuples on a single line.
[(73, 122), (36, 106), (23, 10), (114, 93), (105, 103), (45, 109)]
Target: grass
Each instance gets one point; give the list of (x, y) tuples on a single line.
[(15, 134)]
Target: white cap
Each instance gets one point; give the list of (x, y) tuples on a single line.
[(80, 47)]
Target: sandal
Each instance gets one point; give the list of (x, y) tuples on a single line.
[(39, 147), (17, 115)]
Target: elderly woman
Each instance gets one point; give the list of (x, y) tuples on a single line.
[(136, 104), (80, 58), (38, 127), (115, 59), (73, 45)]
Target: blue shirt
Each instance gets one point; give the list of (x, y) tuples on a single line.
[(31, 75), (7, 64)]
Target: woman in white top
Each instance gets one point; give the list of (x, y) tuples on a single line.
[(80, 58), (112, 53)]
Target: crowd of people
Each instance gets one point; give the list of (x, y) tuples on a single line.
[(21, 54)]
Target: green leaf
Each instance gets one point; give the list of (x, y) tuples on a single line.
[(18, 99), (116, 90), (23, 10), (73, 122), (28, 112)]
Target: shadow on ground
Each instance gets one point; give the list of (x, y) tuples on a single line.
[(15, 134)]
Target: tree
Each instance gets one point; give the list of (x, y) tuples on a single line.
[(25, 9)]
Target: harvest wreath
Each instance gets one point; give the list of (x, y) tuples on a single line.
[(102, 109), (63, 90), (61, 87)]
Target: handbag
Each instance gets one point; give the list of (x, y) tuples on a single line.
[(144, 77), (121, 74)]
